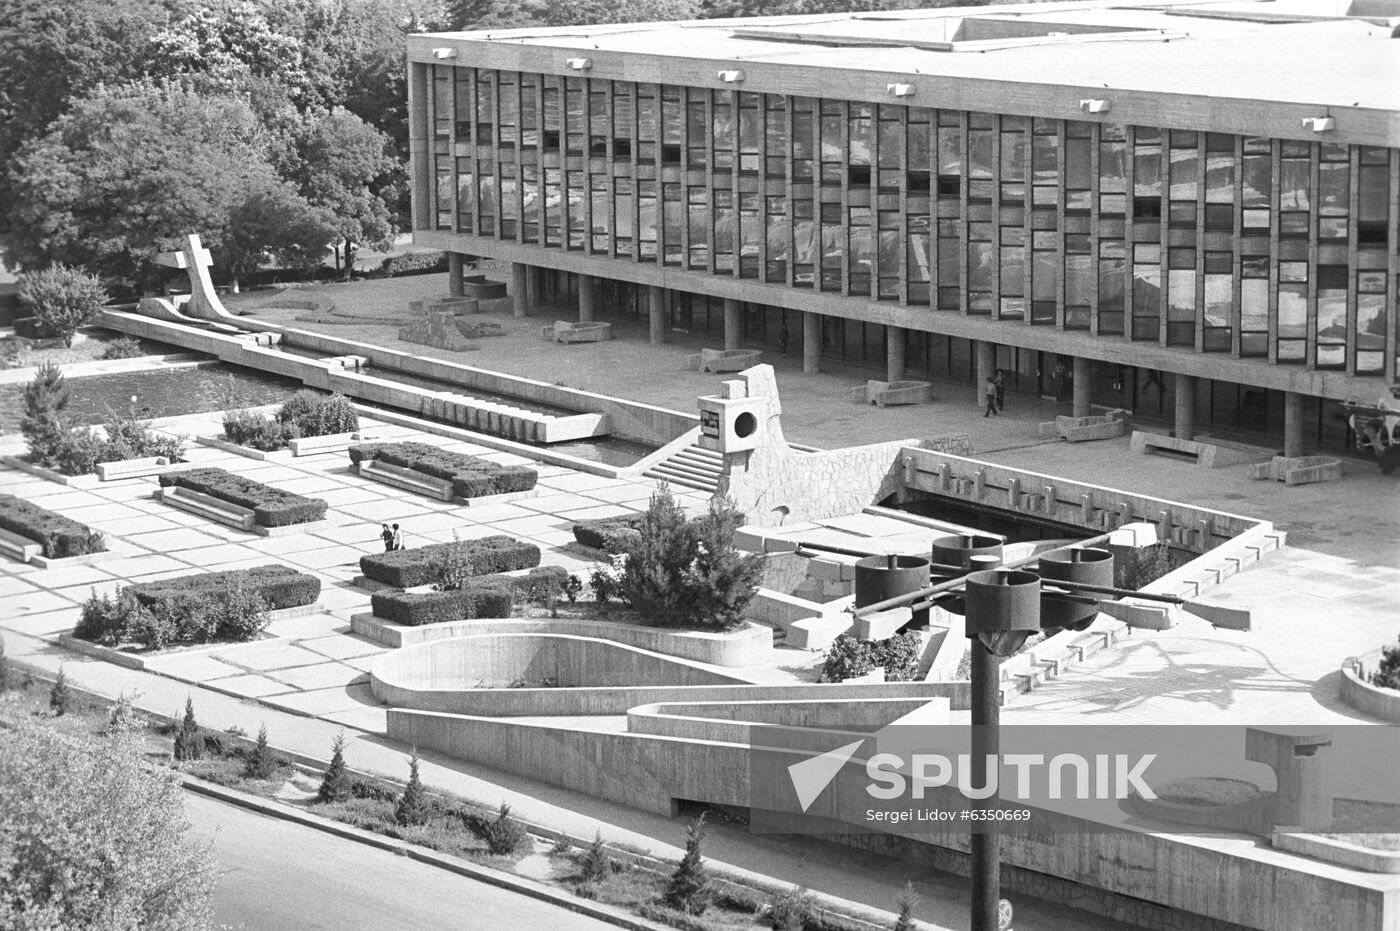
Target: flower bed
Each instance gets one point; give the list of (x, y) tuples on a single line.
[(60, 536), (280, 586), (608, 535), (420, 566), (471, 476), (271, 507)]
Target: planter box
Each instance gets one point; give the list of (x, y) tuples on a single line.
[(565, 332), (87, 480), (246, 451), (408, 479), (215, 509), (131, 468), (1342, 853), (884, 393), (724, 360), (1300, 470), (307, 445), (19, 548), (1365, 697)]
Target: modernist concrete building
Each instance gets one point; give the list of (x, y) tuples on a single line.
[(1190, 207)]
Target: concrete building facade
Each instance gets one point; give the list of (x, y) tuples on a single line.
[(1189, 210)]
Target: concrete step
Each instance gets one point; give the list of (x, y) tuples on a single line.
[(693, 467), (208, 506), (21, 549), (685, 468), (407, 479)]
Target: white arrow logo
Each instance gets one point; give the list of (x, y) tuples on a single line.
[(811, 777)]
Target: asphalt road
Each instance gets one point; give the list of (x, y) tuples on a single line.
[(275, 874)]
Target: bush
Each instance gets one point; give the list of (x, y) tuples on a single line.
[(316, 414), (504, 835), (1387, 674), (471, 477), (416, 609), (130, 438), (413, 807), (542, 586), (189, 743), (688, 573), (611, 535), (60, 695), (849, 657), (261, 762), (69, 450), (58, 535), (422, 565), (792, 910), (123, 347), (335, 784), (104, 619), (61, 299), (272, 507), (414, 263), (597, 863), (279, 586), (689, 887), (251, 429), (908, 901)]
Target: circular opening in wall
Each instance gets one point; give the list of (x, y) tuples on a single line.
[(745, 424)]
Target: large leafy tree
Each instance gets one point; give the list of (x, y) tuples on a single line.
[(223, 48), (274, 225), (582, 12), (349, 171), (128, 172)]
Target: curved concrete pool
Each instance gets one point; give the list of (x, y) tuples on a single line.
[(534, 674)]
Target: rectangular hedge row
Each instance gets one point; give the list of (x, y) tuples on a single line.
[(471, 476), (407, 568), (280, 586), (59, 535), (608, 535), (485, 596), (272, 507)]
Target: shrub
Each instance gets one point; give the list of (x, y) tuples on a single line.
[(792, 910), (504, 835), (414, 263), (489, 598), (58, 535), (61, 299), (272, 507), (849, 657), (231, 605), (335, 784), (261, 762), (413, 807), (597, 863), (908, 901), (316, 414), (689, 887), (123, 347), (603, 580), (1387, 674), (251, 429), (471, 476), (189, 744), (420, 566), (279, 586), (130, 438), (573, 587), (688, 573), (542, 586), (60, 695), (611, 535), (105, 619)]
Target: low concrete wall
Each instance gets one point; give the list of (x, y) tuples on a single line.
[(1365, 697), (749, 645), (746, 722)]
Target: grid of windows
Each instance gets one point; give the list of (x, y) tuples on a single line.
[(1278, 249)]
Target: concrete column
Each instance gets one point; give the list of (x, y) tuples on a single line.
[(894, 353), (520, 301), (656, 301), (454, 274), (986, 356), (561, 284), (1185, 407), (586, 285), (811, 343), (1082, 386), (1292, 424), (733, 324)]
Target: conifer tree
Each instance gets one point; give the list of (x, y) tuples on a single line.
[(60, 696), (908, 901), (597, 862), (189, 745), (412, 808), (261, 763), (335, 784), (689, 889)]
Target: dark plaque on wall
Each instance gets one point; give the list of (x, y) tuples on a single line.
[(709, 422)]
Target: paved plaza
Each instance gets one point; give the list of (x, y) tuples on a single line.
[(1330, 594)]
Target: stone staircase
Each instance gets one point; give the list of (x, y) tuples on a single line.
[(693, 467)]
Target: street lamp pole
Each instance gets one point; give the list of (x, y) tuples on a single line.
[(986, 839)]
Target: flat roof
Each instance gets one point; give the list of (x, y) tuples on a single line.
[(1315, 53)]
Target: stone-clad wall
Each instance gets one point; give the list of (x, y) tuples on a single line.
[(812, 486)]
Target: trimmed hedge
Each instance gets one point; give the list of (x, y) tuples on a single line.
[(481, 598), (407, 568), (272, 507), (471, 477), (280, 586), (59, 535), (610, 535)]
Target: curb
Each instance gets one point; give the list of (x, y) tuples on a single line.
[(442, 861)]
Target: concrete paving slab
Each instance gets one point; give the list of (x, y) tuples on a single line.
[(14, 584), (385, 509), (324, 557), (325, 701), (529, 526), (40, 623), (250, 686), (623, 493), (324, 675), (191, 668), (309, 626), (344, 495), (268, 655), (34, 601), (579, 481), (343, 646), (596, 512), (173, 541), (373, 720)]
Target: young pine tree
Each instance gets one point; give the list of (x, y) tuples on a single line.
[(689, 888), (189, 744), (261, 763), (597, 863), (60, 696), (908, 901), (6, 677), (412, 808), (335, 784)]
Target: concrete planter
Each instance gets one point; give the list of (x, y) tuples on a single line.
[(886, 393), (1342, 853), (245, 451), (87, 480), (1300, 470), (565, 332), (724, 360), (1363, 696)]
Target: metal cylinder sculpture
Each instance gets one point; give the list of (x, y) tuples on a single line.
[(958, 550), (1003, 608), (881, 577), (1077, 610)]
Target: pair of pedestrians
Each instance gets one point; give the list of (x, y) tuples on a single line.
[(994, 390), (392, 537)]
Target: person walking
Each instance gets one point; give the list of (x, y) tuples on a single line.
[(999, 379), (1060, 377), (989, 391), (397, 541), (386, 534), (783, 337)]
